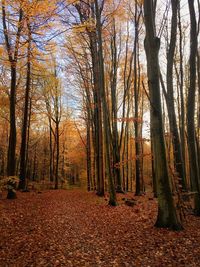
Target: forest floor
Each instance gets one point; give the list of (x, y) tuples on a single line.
[(76, 228)]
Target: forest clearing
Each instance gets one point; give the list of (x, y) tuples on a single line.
[(76, 228)]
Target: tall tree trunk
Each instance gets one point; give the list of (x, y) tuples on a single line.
[(115, 141), (12, 51), (192, 149), (198, 108), (22, 175), (106, 119), (167, 214), (57, 152), (177, 151), (98, 134), (97, 117), (28, 137), (154, 183), (198, 97), (136, 115), (50, 151), (57, 108), (182, 123), (34, 164), (13, 58), (11, 161), (88, 150)]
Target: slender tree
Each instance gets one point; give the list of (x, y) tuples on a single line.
[(138, 149), (191, 135), (178, 154), (115, 134), (22, 175)]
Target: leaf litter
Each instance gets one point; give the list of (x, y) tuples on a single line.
[(76, 228)]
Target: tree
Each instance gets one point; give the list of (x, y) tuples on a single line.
[(22, 176), (13, 53), (138, 148), (169, 94), (167, 214), (106, 118), (83, 11), (113, 85), (192, 148)]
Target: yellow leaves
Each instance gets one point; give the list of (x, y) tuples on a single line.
[(76, 150), (1, 51), (88, 26), (4, 100), (115, 10), (38, 8)]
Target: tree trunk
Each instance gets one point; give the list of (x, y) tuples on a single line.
[(13, 57), (11, 163), (57, 153), (115, 141), (98, 134), (97, 117), (167, 215), (88, 150), (182, 123), (136, 115), (22, 175), (12, 52), (192, 149), (177, 151), (106, 119), (50, 152)]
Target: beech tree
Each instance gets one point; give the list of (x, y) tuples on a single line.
[(22, 183), (106, 118), (12, 54), (167, 214), (192, 147), (178, 153)]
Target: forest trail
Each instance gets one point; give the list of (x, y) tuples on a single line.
[(76, 228)]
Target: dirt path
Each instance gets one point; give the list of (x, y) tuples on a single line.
[(75, 228)]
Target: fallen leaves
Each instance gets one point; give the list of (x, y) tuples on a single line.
[(75, 228)]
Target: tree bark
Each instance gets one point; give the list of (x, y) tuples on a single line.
[(191, 139), (167, 214), (97, 118), (136, 115), (106, 119), (13, 58), (115, 137), (177, 151), (22, 175)]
